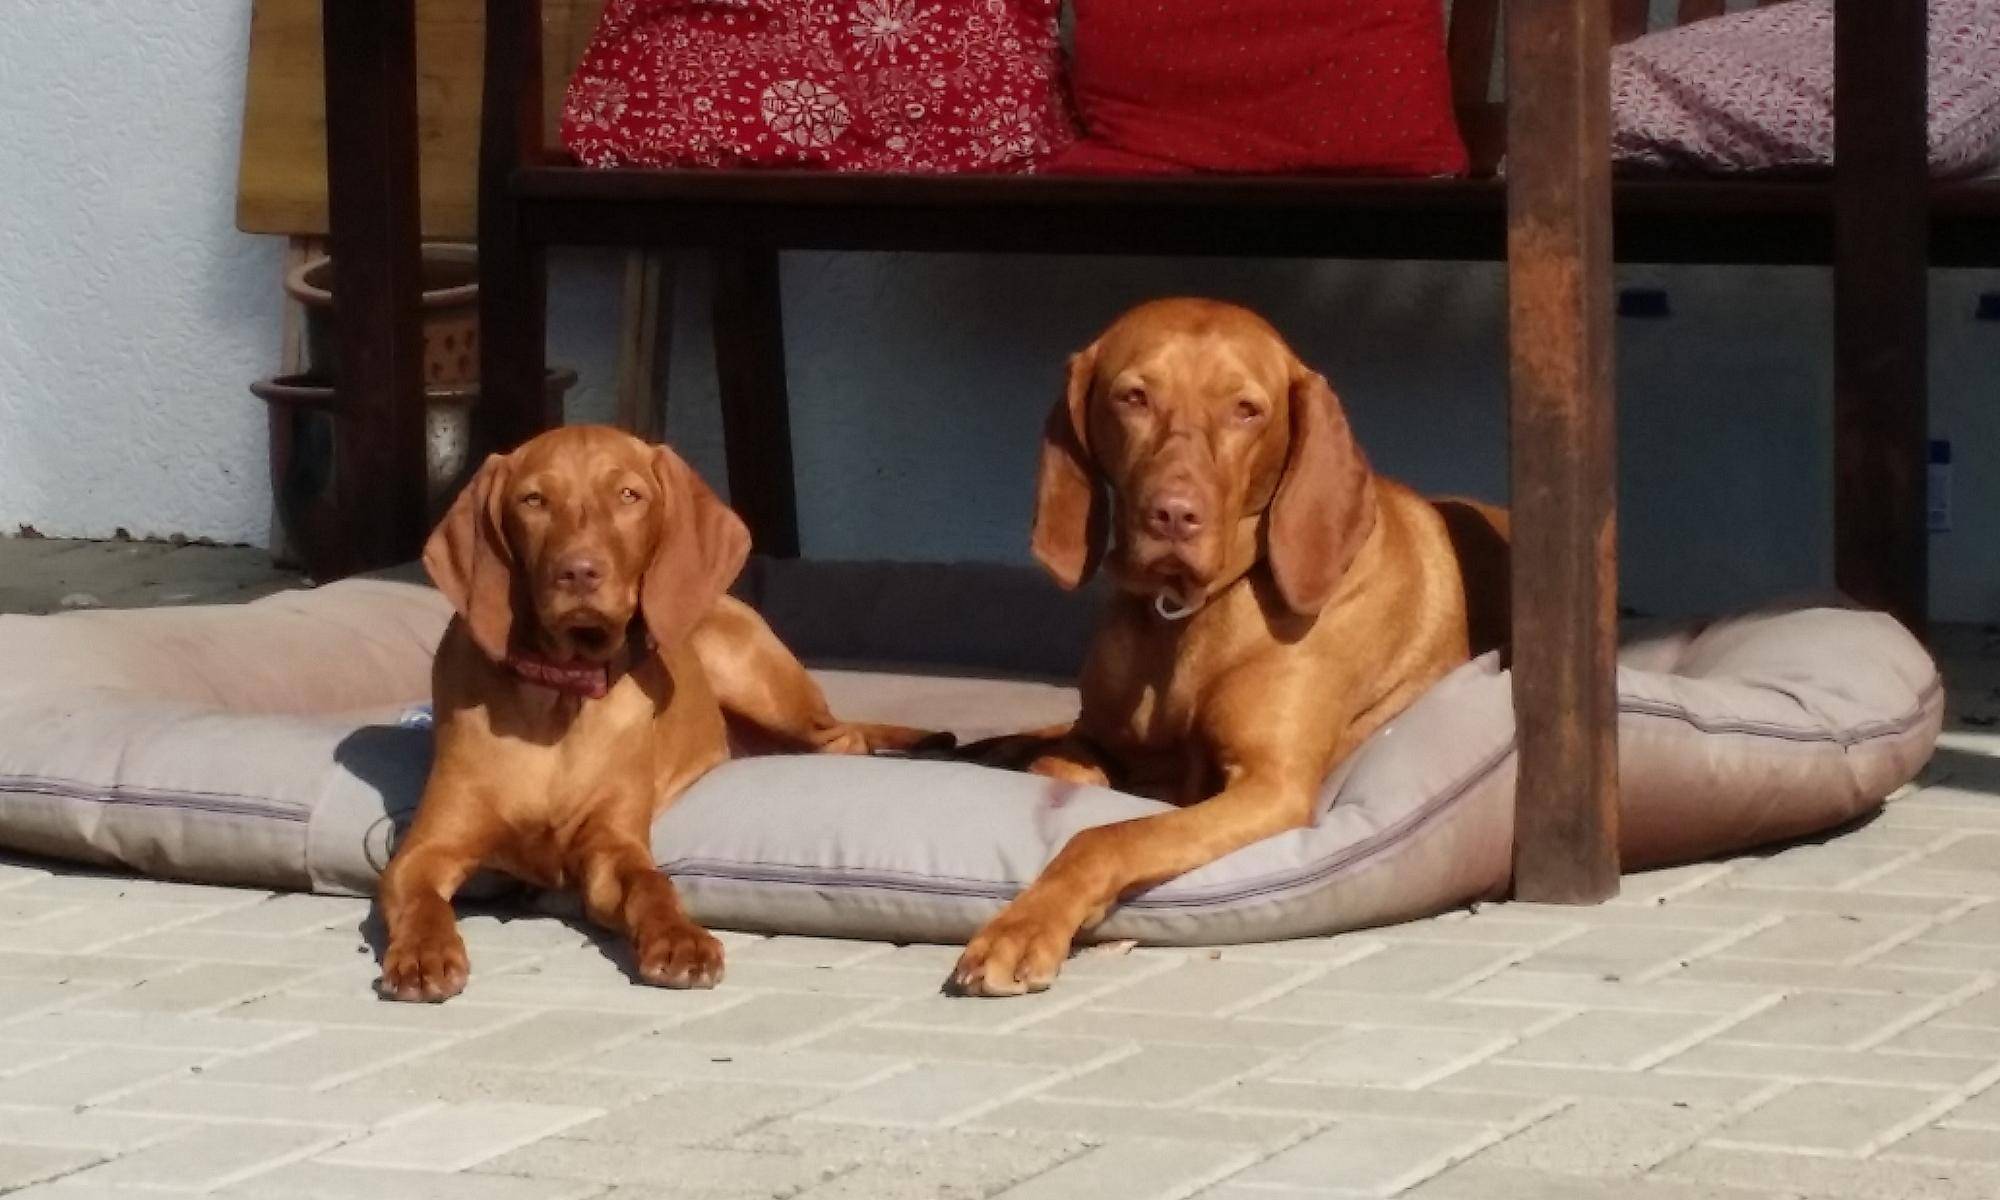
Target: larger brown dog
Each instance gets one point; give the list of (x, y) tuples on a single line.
[(1277, 603), (582, 686)]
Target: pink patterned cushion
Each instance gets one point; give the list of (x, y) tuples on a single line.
[(1754, 91)]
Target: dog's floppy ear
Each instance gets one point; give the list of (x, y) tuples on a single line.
[(1324, 508), (1072, 517), (469, 559), (701, 550)]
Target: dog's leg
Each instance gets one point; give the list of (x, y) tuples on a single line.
[(757, 680), (1050, 750), (425, 958), (1023, 948), (624, 892)]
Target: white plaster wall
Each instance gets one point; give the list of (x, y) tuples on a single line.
[(131, 313), (132, 317)]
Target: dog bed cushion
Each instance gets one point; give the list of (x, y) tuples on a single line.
[(282, 743)]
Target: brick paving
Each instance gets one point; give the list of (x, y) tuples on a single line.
[(1820, 1022)]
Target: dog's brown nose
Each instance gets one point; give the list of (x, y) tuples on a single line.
[(1172, 515), (579, 574)]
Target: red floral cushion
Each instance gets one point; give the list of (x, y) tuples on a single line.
[(1353, 86), (850, 85)]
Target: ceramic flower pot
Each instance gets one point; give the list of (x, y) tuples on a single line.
[(450, 307), (304, 464)]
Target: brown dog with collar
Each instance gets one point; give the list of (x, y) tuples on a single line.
[(1277, 603), (587, 680)]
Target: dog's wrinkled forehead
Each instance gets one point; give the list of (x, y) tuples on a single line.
[(1204, 346), (588, 457)]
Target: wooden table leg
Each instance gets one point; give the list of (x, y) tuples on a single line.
[(756, 411), (513, 272), (645, 342), (1881, 330), (371, 139), (1564, 451)]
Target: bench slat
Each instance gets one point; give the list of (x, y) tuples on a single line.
[(1658, 220)]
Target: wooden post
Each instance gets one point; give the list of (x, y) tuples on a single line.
[(1880, 278), (1628, 19), (513, 275), (371, 141), (1565, 570), (291, 361), (645, 341), (756, 411)]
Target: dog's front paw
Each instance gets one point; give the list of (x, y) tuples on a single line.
[(1015, 954), (1069, 770), (424, 969), (681, 955)]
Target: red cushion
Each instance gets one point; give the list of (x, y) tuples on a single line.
[(1354, 86), (853, 85)]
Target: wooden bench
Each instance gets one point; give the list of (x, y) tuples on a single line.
[(1558, 218)]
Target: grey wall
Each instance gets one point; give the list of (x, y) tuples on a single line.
[(918, 384)]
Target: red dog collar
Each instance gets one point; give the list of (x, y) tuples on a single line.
[(588, 680)]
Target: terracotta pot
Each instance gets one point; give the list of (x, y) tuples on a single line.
[(303, 410), (450, 314)]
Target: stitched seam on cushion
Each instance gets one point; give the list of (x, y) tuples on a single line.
[(759, 871), (116, 795), (832, 877), (1329, 868), (984, 889), (1890, 727), (1287, 881)]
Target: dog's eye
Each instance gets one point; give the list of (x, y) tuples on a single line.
[(1136, 398), (629, 495), (1247, 411), (533, 500)]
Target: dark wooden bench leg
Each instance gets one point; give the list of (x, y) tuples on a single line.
[(646, 342), (371, 141), (1881, 330), (756, 412), (513, 274), (1564, 452)]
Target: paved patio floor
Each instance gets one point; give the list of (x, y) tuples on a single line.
[(44, 575), (1819, 1022)]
